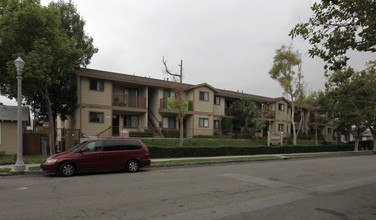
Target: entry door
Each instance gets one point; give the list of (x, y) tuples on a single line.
[(115, 125)]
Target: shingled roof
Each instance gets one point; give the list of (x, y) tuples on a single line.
[(147, 81)]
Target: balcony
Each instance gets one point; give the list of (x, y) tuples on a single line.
[(129, 101), (164, 105), (267, 113), (262, 113)]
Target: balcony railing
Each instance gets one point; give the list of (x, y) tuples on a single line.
[(164, 103), (262, 113), (129, 101), (267, 113)]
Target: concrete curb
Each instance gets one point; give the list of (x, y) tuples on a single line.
[(201, 163)]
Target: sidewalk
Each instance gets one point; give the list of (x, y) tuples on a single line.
[(227, 159)]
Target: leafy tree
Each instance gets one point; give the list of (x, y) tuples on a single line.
[(287, 71), (351, 102), (338, 26), (246, 113), (368, 91), (43, 37), (313, 103)]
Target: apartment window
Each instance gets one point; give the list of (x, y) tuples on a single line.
[(329, 130), (169, 122), (281, 127), (204, 122), (96, 85), (217, 100), (131, 121), (281, 107), (168, 94), (96, 117), (216, 124), (204, 96)]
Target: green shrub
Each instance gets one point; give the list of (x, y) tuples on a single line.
[(226, 123), (2, 153), (161, 152), (145, 133), (172, 133)]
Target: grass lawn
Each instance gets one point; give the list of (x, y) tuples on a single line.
[(28, 159), (5, 170), (34, 168), (211, 160)]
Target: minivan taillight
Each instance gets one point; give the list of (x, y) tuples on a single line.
[(147, 153)]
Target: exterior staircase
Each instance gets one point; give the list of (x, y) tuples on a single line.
[(154, 128)]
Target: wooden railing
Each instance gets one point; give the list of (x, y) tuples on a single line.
[(129, 101), (262, 113)]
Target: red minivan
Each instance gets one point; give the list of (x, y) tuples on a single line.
[(99, 154)]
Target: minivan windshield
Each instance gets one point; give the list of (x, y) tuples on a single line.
[(77, 146)]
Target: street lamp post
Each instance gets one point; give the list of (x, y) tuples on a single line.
[(20, 165)]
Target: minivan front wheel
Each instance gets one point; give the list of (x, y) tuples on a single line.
[(67, 169), (133, 166)]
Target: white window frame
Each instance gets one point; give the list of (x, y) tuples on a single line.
[(215, 100), (100, 122), (203, 122), (205, 96), (281, 106), (99, 85)]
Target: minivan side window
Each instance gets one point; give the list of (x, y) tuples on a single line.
[(119, 145), (133, 145), (113, 145), (93, 146)]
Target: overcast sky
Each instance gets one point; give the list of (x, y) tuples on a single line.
[(229, 44)]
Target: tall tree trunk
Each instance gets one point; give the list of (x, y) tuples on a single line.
[(356, 144), (373, 132), (181, 133), (181, 111), (293, 120), (51, 130), (316, 136)]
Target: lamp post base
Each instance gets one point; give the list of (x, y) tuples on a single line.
[(19, 167)]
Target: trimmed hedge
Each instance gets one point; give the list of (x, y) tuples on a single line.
[(172, 133), (146, 133), (160, 152)]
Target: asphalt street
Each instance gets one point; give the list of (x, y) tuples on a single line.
[(316, 188)]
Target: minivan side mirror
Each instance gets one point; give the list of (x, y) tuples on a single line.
[(82, 150)]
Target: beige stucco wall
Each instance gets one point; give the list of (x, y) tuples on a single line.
[(96, 97), (201, 105), (8, 137), (202, 130), (281, 115), (93, 128), (219, 109)]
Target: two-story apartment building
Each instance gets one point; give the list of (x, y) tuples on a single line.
[(112, 104)]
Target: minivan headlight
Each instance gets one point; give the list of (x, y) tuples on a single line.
[(51, 160)]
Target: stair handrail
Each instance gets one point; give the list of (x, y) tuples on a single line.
[(105, 130)]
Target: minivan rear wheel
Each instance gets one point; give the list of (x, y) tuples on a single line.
[(133, 166), (67, 169)]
